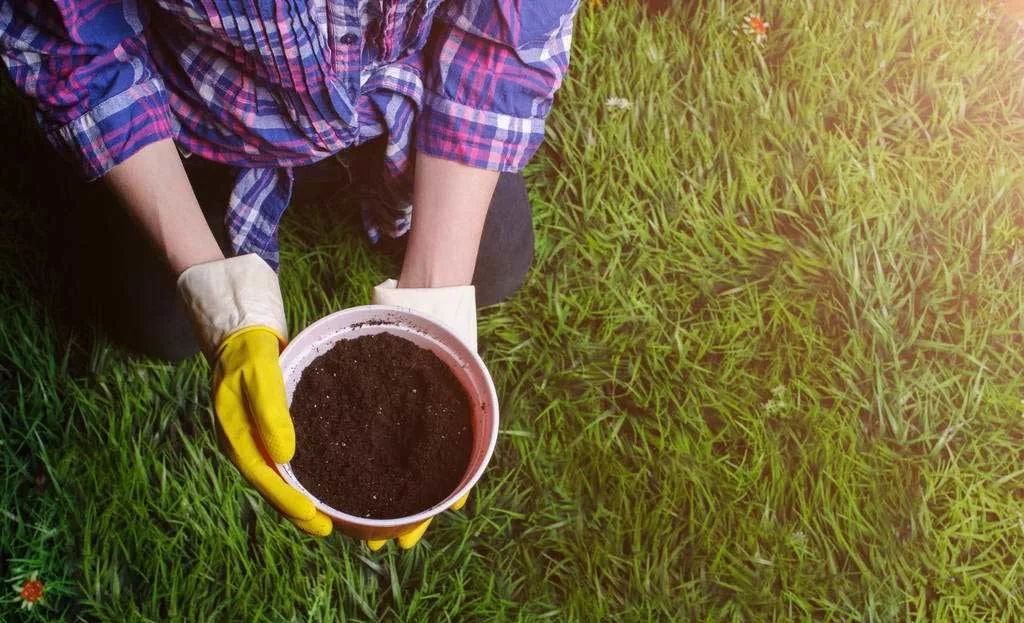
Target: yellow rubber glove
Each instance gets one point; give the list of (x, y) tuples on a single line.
[(252, 411), (236, 308), (455, 306)]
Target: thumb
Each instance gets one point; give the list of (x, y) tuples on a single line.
[(264, 391)]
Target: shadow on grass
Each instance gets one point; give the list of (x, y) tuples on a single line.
[(37, 192), (69, 247)]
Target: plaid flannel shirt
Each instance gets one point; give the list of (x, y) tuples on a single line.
[(266, 85)]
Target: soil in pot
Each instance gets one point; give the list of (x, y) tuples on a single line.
[(382, 428)]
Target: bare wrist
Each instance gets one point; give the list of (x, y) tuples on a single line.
[(184, 259), (420, 276), (450, 202), (153, 187)]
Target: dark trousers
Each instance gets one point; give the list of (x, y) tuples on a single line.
[(120, 283)]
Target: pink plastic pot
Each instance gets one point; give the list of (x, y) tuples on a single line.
[(426, 333)]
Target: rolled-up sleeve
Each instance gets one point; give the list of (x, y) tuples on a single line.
[(86, 66), (493, 69)]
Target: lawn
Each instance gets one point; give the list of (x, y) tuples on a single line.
[(766, 367)]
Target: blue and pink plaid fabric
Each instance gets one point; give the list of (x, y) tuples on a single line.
[(266, 85)]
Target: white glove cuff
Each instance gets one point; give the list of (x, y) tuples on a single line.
[(455, 306), (227, 295)]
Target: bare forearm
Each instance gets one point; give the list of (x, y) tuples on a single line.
[(450, 202), (154, 188)]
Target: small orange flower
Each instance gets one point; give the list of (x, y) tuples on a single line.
[(755, 26), (31, 591)]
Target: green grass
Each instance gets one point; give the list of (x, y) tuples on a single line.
[(767, 365)]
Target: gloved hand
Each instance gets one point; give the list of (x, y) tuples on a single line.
[(238, 314), (455, 306)]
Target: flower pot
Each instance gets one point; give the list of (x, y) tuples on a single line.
[(427, 333)]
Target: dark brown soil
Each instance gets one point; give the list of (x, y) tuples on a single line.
[(382, 428)]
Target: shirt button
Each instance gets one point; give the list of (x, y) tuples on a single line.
[(348, 39)]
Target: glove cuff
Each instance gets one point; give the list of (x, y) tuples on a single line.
[(225, 296), (454, 306)]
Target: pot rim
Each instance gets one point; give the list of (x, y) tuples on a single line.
[(446, 336)]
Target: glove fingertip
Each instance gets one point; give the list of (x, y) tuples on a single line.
[(412, 537), (319, 525), (459, 503), (375, 544), (281, 450)]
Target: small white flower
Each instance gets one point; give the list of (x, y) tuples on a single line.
[(618, 103), (778, 400), (799, 543)]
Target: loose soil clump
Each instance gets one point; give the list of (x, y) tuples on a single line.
[(382, 427)]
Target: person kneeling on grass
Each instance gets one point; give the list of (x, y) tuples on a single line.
[(454, 93)]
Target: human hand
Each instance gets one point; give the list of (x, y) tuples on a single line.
[(238, 313), (455, 307)]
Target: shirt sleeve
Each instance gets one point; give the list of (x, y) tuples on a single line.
[(86, 66), (492, 72)]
